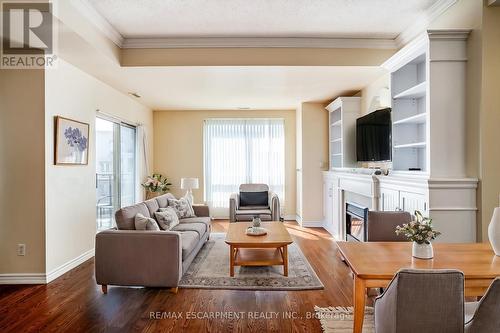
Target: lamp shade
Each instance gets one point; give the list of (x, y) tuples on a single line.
[(189, 183)]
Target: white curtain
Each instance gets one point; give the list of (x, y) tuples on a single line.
[(142, 160), (238, 151)]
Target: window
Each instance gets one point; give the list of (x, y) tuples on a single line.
[(115, 169), (238, 151)]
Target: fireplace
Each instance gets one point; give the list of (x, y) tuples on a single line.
[(355, 222)]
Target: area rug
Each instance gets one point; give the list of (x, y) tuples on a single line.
[(341, 319), (210, 270)]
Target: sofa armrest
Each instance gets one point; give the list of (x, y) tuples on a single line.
[(138, 258), (274, 205), (201, 210), (234, 202)]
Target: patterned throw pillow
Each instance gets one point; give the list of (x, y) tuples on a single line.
[(182, 207), (167, 218), (145, 223)]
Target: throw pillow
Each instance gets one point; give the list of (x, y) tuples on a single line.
[(254, 198), (167, 218), (182, 207), (145, 223)]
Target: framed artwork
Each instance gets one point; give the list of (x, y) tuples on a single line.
[(72, 142)]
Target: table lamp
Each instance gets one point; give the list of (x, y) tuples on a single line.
[(189, 184)]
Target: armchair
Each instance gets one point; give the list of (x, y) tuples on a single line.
[(252, 200)]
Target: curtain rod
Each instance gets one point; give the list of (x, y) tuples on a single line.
[(114, 118)]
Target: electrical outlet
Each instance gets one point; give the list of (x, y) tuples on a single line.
[(21, 249)]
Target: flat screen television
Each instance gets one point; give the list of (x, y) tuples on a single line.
[(373, 136)]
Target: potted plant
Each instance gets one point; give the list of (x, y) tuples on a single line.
[(156, 185), (421, 233)]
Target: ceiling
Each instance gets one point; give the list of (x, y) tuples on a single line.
[(254, 87), (243, 87), (261, 18)]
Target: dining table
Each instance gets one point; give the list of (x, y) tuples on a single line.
[(374, 265)]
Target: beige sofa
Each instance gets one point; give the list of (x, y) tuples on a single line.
[(129, 257)]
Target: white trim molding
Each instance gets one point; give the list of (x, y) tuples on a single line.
[(87, 10), (423, 21), (23, 278), (312, 224), (255, 42), (66, 267), (44, 278)]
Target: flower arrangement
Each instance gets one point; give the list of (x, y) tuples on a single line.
[(75, 138), (419, 231), (157, 183)]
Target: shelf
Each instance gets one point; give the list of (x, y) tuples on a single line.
[(413, 92), (337, 154), (336, 140), (411, 145), (337, 123), (417, 119)]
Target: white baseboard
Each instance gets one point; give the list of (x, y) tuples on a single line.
[(290, 217), (312, 224), (23, 278), (308, 224), (43, 278), (57, 272)]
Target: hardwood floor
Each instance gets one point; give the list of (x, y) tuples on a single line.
[(74, 303)]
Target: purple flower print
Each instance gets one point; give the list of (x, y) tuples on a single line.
[(75, 138)]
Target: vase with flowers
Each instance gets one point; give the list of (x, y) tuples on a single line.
[(156, 185), (421, 233)]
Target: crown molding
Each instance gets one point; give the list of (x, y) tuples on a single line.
[(89, 12), (423, 22), (409, 52), (449, 34), (254, 42)]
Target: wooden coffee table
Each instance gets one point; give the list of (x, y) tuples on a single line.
[(267, 250)]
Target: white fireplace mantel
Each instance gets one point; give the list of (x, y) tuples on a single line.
[(450, 202)]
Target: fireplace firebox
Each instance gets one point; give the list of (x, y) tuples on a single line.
[(355, 219)]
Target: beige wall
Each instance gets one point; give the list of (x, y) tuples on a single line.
[(313, 150), (255, 56), (178, 146), (22, 178), (490, 116), (70, 190)]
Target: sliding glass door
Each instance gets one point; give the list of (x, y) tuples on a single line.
[(115, 169)]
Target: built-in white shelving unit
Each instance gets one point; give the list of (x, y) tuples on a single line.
[(409, 115), (428, 95), (342, 115)]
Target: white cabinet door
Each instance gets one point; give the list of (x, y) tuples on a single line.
[(410, 202), (389, 200), (327, 202)]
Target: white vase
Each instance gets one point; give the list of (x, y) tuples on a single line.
[(494, 231), (422, 251)]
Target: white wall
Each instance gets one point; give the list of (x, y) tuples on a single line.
[(70, 190)]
